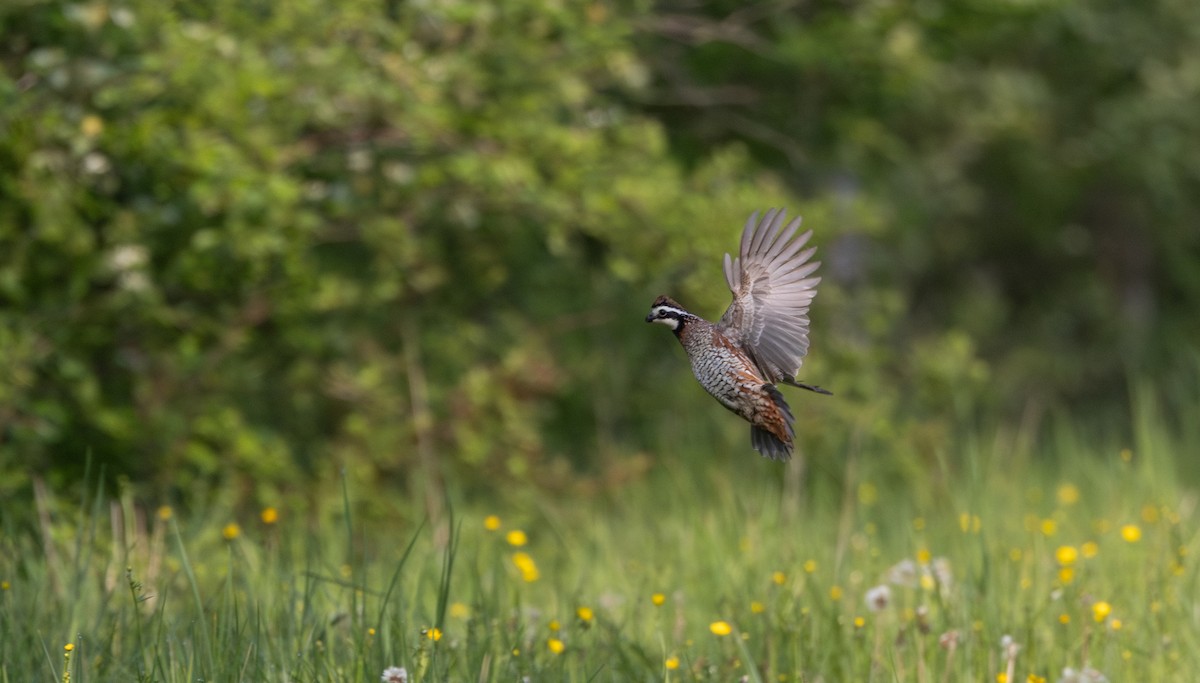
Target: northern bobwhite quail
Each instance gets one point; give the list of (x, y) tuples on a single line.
[(762, 338)]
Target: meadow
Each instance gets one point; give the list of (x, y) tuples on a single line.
[(1069, 558)]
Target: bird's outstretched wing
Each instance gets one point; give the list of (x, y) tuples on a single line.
[(772, 290)]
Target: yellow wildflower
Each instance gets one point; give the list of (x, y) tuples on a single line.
[(1066, 555), (779, 578), (527, 567), (434, 634), (556, 646), (835, 593), (269, 515), (658, 599), (1115, 624), (810, 566), (757, 607), (516, 538), (165, 512), (859, 622), (585, 613), (1089, 549), (1064, 618), (231, 531), (672, 663), (1049, 527), (1132, 533), (720, 628), (491, 522), (1066, 575), (1101, 610), (1068, 494), (1034, 678)]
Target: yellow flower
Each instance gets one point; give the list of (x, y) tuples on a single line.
[(1049, 527), (859, 622), (779, 578), (1089, 549), (1101, 610), (757, 607), (1015, 554), (720, 628), (1066, 555), (371, 631), (1034, 678), (69, 646), (672, 663), (91, 125), (1064, 618), (1068, 494), (924, 556), (4, 585), (527, 567), (1115, 624), (231, 531), (928, 582), (1066, 575), (434, 634), (658, 599), (516, 538), (835, 593), (556, 646), (554, 625), (165, 512), (491, 522), (1132, 533), (810, 566), (459, 611), (584, 614), (270, 515)]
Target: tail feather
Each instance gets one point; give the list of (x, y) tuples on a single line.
[(768, 443)]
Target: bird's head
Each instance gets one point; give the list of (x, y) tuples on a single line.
[(666, 311)]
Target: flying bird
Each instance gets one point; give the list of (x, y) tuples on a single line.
[(762, 339)]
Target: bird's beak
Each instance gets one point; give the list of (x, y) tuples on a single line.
[(649, 318)]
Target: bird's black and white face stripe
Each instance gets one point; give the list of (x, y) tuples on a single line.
[(670, 316)]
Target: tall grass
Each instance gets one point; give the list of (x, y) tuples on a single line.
[(1078, 553)]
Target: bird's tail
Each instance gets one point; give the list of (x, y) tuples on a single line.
[(771, 444)]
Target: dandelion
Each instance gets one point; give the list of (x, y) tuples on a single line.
[(1115, 624), (434, 634), (269, 515), (525, 564), (1049, 527), (1089, 549), (903, 573), (810, 566), (554, 626), (1101, 610), (491, 522), (1067, 494), (1064, 618), (585, 614), (1132, 533), (516, 538), (720, 628), (231, 531), (1066, 575), (924, 556), (1066, 555), (394, 674), (859, 622), (556, 646), (658, 599), (1086, 675), (672, 663), (877, 598), (835, 593), (1034, 678), (779, 578)]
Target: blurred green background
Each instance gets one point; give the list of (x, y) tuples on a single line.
[(246, 246)]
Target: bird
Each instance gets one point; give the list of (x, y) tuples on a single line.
[(762, 339)]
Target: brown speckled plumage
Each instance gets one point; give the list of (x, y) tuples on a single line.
[(763, 336)]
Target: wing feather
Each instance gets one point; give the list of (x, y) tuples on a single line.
[(773, 287)]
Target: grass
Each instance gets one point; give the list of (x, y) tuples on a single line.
[(1082, 555)]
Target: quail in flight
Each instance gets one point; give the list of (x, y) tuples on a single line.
[(762, 339)]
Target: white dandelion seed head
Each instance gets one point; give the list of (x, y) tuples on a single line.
[(903, 573), (878, 598), (394, 674), (1085, 675)]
